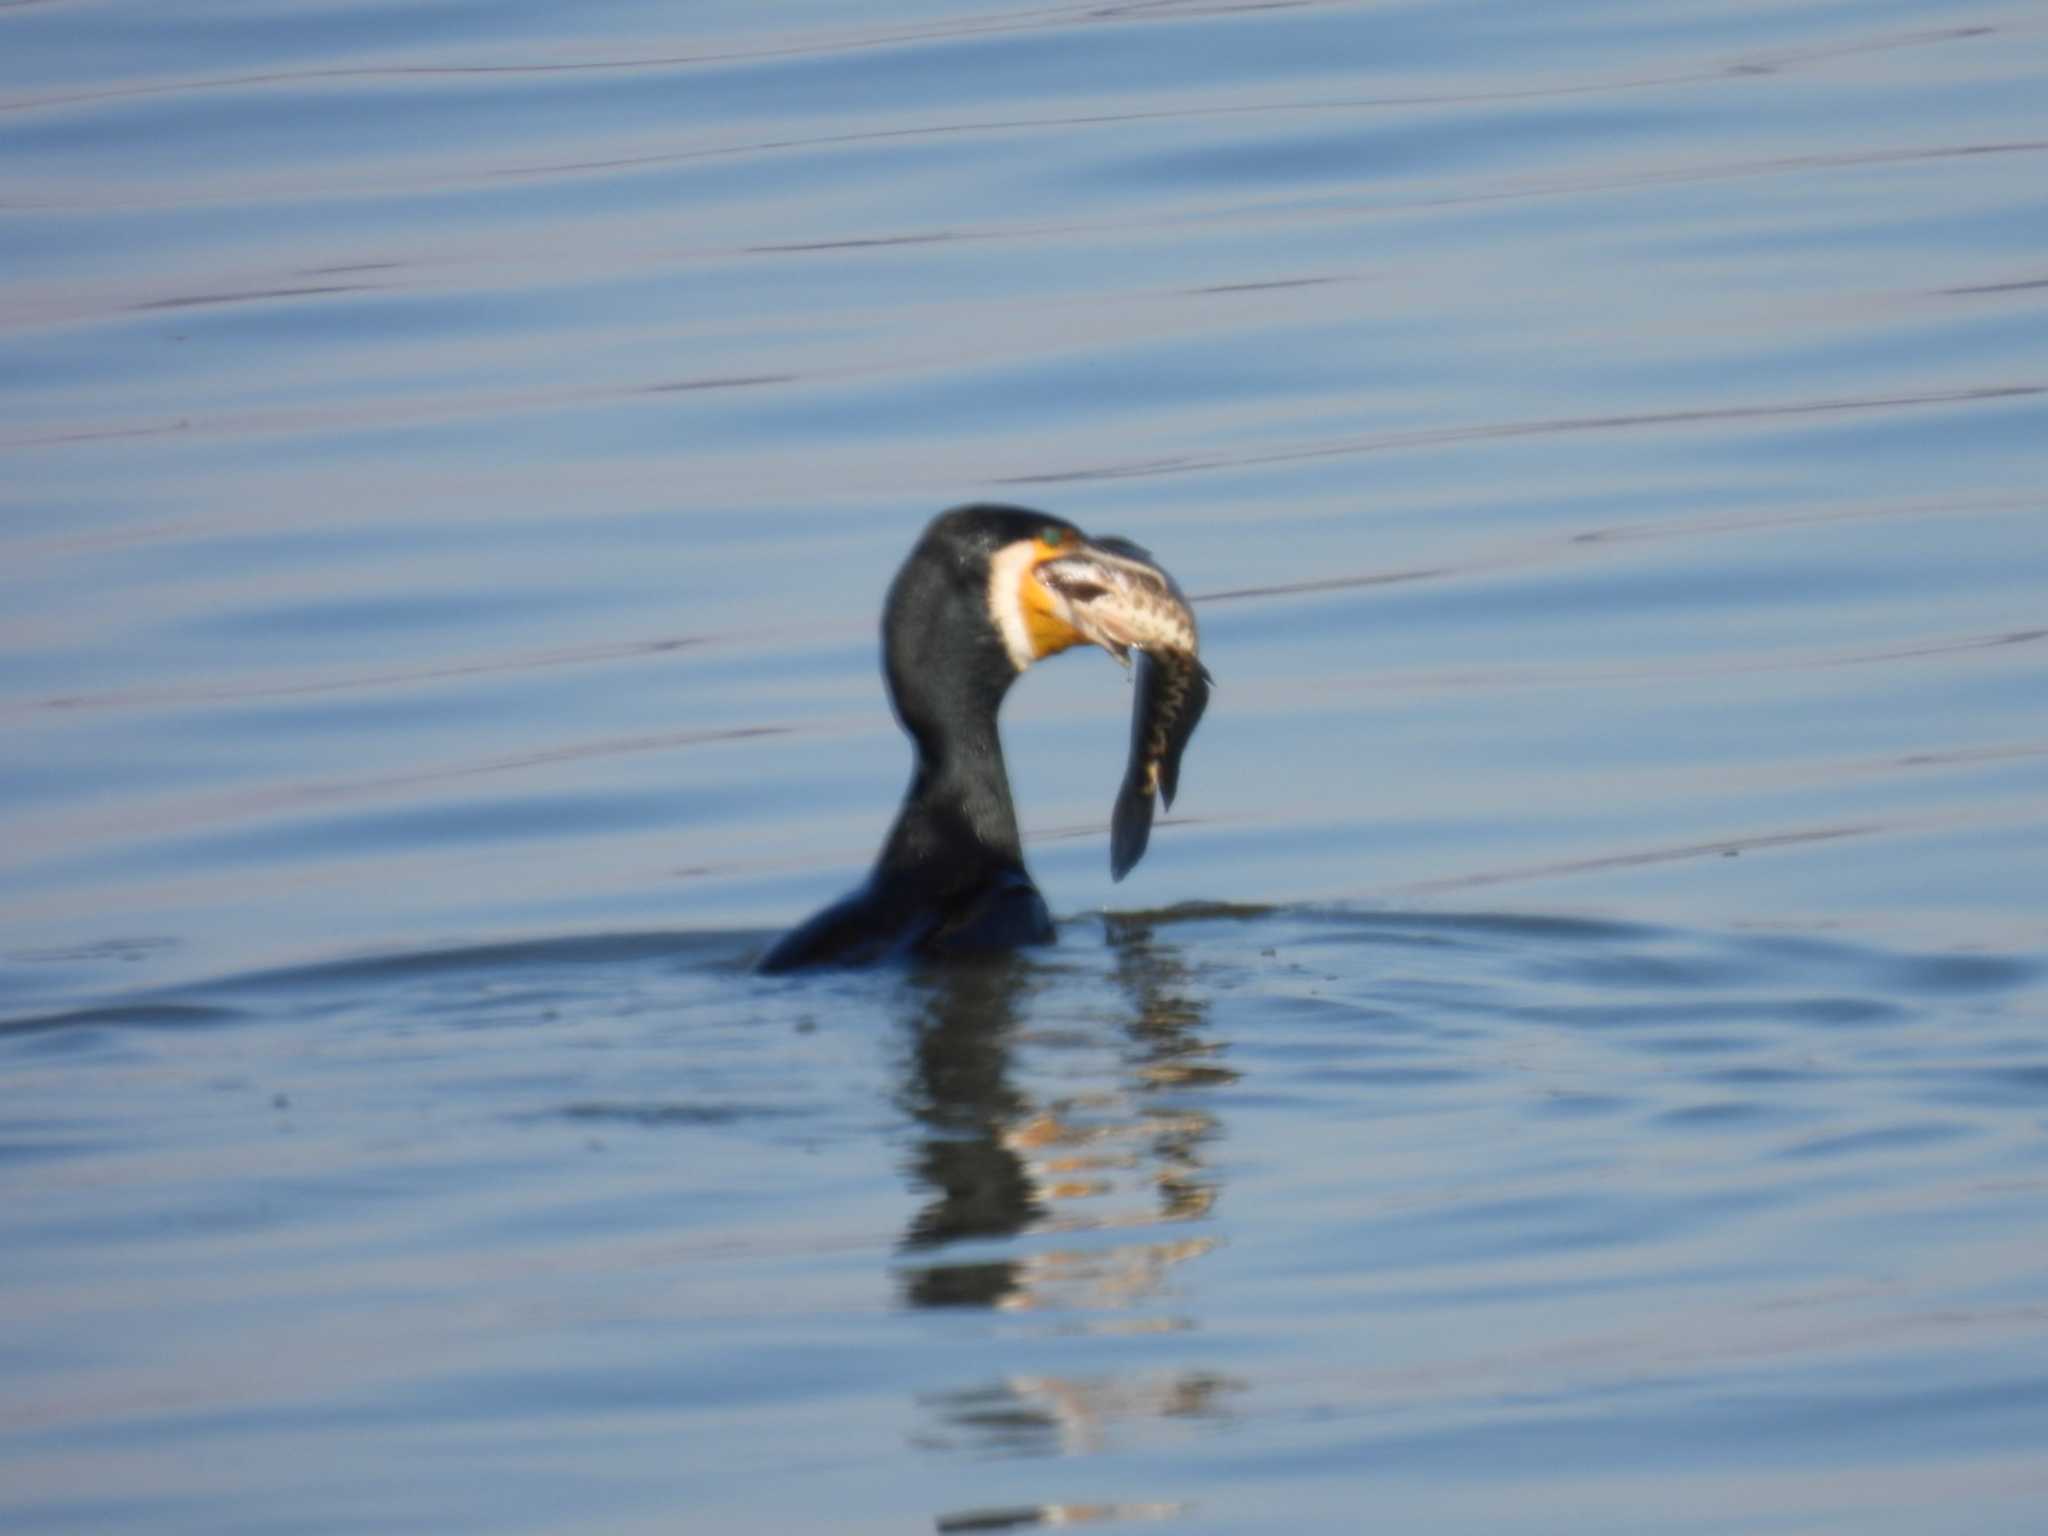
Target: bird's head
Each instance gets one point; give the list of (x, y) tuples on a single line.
[(1043, 585), (989, 589)]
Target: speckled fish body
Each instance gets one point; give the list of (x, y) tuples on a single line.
[(1170, 691), (1121, 599)]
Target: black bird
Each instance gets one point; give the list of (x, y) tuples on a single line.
[(986, 591)]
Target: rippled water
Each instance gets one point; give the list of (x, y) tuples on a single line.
[(1575, 1059)]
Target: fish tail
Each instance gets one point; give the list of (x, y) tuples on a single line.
[(1130, 825)]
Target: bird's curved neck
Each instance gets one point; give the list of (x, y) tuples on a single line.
[(958, 819)]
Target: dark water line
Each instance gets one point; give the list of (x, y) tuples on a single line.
[(1554, 426)]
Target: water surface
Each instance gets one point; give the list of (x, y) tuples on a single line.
[(1574, 1059)]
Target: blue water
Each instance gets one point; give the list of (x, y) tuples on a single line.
[(1577, 1057)]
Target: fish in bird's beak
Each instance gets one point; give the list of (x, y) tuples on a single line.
[(1111, 593)]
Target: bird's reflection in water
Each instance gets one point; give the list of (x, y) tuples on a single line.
[(959, 1090), (1045, 1114)]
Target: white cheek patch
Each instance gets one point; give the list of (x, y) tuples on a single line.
[(1006, 577)]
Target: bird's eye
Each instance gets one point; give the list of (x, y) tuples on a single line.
[(1051, 538)]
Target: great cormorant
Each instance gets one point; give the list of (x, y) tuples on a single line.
[(988, 590)]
